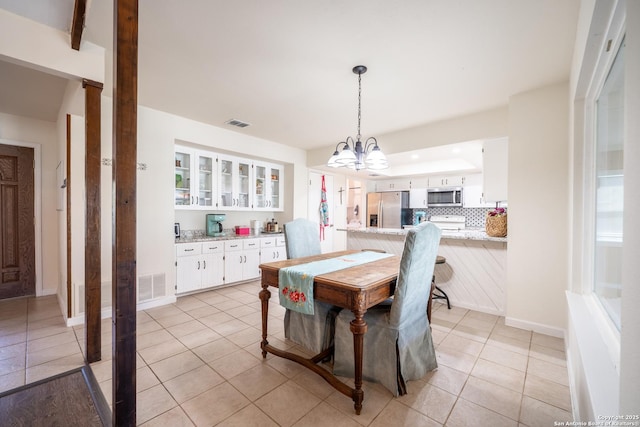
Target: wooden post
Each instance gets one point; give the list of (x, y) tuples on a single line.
[(125, 101), (77, 24), (92, 258)]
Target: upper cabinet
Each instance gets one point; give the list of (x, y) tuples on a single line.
[(446, 181), (494, 165), (472, 196), (234, 179), (418, 198), (194, 172), (393, 184), (209, 181), (268, 190)]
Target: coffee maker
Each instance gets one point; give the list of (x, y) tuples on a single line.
[(214, 224)]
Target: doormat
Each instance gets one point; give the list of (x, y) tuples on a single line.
[(69, 399)]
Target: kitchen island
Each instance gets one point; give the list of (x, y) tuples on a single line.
[(474, 275)]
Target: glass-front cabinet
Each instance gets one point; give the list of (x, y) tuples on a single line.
[(182, 192), (234, 179), (205, 198), (205, 180), (268, 187), (194, 179)]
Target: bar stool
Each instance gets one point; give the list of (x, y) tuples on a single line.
[(440, 294)]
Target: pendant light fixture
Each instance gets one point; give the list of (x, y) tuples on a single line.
[(356, 154)]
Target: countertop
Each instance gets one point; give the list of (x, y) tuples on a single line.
[(466, 234), (230, 236)]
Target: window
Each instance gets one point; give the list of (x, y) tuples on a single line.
[(609, 190)]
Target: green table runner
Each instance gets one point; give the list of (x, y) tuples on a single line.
[(296, 283)]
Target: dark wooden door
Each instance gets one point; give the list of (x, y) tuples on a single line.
[(17, 238)]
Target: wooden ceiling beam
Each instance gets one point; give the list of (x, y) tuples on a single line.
[(77, 25)]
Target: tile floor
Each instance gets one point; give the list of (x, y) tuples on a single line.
[(199, 363)]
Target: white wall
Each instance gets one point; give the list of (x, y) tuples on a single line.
[(537, 255), (482, 125), (22, 129), (34, 45), (157, 134)]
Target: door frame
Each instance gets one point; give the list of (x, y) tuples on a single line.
[(37, 205)]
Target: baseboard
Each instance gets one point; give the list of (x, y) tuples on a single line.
[(535, 327), (63, 307), (469, 307), (156, 302), (106, 313), (47, 292)]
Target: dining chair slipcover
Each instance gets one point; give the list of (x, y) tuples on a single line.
[(314, 332), (397, 346)]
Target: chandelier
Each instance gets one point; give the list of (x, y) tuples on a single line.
[(356, 154)]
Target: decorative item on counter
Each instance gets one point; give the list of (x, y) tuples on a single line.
[(272, 226), (257, 226), (242, 229), (496, 223)]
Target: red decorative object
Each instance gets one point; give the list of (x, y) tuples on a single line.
[(242, 229)]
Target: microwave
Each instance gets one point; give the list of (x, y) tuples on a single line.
[(444, 197)]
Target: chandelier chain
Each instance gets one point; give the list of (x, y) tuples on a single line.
[(359, 102)]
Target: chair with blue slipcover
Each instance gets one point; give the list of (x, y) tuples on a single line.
[(314, 332), (397, 345)]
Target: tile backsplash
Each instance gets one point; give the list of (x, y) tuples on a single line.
[(475, 217)]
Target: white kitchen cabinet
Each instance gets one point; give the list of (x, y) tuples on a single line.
[(213, 264), (418, 198), (446, 181), (272, 249), (234, 183), (495, 155), (251, 264), (199, 266), (268, 189), (188, 274), (242, 258), (420, 182), (194, 179), (472, 196), (393, 184)]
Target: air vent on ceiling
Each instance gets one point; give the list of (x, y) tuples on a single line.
[(237, 123)]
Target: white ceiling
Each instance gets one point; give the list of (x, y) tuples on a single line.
[(284, 66)]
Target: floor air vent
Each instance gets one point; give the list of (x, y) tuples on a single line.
[(151, 286)]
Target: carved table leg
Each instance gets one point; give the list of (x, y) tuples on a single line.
[(358, 328), (265, 294)]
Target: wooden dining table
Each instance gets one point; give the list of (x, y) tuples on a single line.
[(355, 288)]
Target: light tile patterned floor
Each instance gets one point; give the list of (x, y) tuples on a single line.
[(199, 363)]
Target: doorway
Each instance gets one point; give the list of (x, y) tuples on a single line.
[(17, 219)]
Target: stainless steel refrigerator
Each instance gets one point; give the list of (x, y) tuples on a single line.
[(389, 209)]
